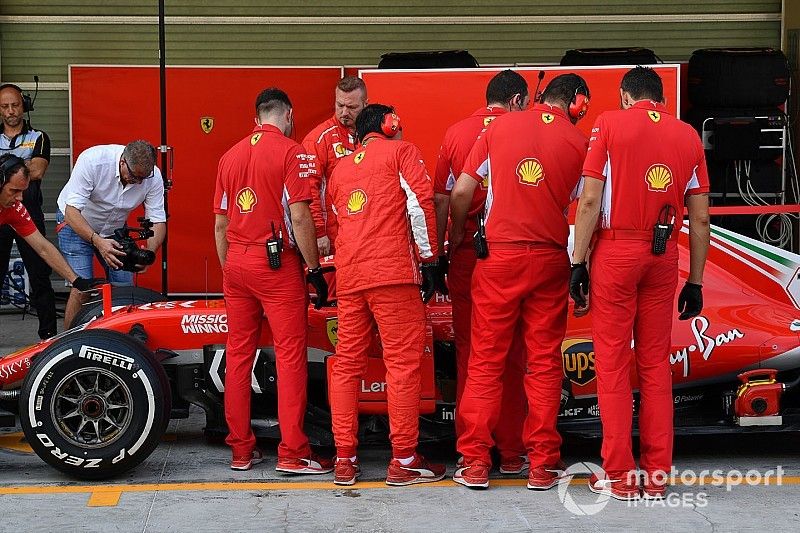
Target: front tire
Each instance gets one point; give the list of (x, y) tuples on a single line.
[(95, 404), (120, 296)]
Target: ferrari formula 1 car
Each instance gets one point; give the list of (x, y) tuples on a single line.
[(95, 401)]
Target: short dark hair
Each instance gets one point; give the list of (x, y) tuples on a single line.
[(370, 120), (10, 164), (643, 83), (349, 84), (271, 99), (504, 86), (562, 89), (140, 154)]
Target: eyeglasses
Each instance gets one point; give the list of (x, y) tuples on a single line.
[(138, 178)]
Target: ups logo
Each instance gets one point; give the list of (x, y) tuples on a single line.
[(578, 356)]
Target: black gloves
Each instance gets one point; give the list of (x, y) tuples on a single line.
[(84, 285), (317, 281), (579, 284), (441, 272), (428, 286), (690, 301)]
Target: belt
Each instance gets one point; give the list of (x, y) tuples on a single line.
[(625, 234), (522, 245), (254, 248)]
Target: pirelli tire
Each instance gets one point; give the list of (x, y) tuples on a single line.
[(95, 404), (120, 296)]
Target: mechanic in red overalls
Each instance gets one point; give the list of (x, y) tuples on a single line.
[(383, 199), (14, 180), (329, 142), (262, 219), (507, 91), (643, 166), (532, 160)]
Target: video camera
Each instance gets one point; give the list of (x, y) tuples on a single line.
[(133, 254)]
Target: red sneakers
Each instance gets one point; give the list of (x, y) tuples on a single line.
[(617, 487), (653, 491), (514, 465), (419, 471), (310, 465), (244, 462), (545, 477), (474, 476), (345, 472)]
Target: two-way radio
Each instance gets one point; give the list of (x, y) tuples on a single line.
[(274, 248)]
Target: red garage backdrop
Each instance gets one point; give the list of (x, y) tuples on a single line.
[(111, 104), (429, 101), (114, 105)]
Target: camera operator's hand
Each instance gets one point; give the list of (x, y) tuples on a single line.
[(109, 250), (85, 285)]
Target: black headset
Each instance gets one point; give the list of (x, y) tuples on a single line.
[(10, 161), (27, 101)]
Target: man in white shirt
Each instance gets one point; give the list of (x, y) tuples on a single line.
[(106, 184)]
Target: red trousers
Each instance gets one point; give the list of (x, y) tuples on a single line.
[(525, 285), (508, 432), (632, 296), (252, 289), (400, 315)]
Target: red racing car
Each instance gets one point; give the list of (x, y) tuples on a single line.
[(95, 401)]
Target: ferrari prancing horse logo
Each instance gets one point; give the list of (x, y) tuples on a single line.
[(655, 116), (207, 124), (547, 118), (332, 328)]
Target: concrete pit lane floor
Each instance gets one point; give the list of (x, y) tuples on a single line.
[(186, 485)]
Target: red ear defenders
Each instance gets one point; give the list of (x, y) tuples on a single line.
[(10, 162), (27, 103), (390, 124), (579, 104)]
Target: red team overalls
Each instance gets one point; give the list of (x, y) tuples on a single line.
[(255, 177), (647, 159), (456, 145), (384, 203), (532, 160)]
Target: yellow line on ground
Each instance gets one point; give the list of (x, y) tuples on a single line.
[(104, 499), (101, 492)]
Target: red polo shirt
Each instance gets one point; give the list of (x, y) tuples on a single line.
[(532, 160), (647, 159), (18, 218), (257, 180), (458, 141)]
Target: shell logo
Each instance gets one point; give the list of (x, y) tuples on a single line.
[(547, 118), (530, 171), (255, 138), (246, 200), (359, 157), (356, 202), (487, 121), (658, 178), (485, 183), (339, 149)]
